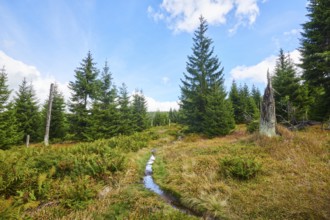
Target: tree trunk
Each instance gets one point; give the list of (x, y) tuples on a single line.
[(49, 112), (27, 140), (267, 116)]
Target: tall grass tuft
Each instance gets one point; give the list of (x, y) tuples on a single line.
[(239, 167)]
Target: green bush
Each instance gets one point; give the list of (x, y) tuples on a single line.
[(77, 195), (253, 126), (130, 143), (240, 168)]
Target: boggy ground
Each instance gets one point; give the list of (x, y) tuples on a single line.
[(291, 179)]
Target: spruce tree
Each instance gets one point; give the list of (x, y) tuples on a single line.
[(256, 95), (125, 112), (83, 91), (253, 112), (202, 90), (315, 51), (4, 90), (286, 85), (236, 103), (9, 134), (161, 118), (174, 116), (139, 111), (244, 96), (104, 118), (219, 114), (27, 112), (243, 104)]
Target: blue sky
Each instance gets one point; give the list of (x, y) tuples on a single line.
[(146, 42)]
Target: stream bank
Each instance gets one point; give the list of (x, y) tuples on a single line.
[(150, 184)]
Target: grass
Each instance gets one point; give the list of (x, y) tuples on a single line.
[(288, 177), (293, 181), (99, 180), (129, 199)]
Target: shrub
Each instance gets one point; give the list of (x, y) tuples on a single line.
[(240, 168), (77, 195), (253, 126)]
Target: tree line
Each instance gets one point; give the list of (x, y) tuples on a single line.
[(96, 109)]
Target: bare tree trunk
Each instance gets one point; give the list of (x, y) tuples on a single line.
[(267, 115), (49, 113), (27, 140)]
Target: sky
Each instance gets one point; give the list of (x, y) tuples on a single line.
[(145, 42)]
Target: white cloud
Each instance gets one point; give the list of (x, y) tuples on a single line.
[(182, 15), (292, 32), (257, 73), (17, 70), (154, 105), (157, 16)]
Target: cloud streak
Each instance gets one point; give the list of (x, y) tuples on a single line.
[(257, 73), (182, 15), (154, 105), (17, 71)]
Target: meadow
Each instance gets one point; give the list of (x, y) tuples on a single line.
[(239, 176), (247, 176)]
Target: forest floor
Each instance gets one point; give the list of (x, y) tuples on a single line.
[(240, 176)]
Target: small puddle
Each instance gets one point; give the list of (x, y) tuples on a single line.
[(149, 183)]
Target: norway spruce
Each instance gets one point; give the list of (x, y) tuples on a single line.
[(139, 111), (256, 95), (315, 51), (286, 85), (104, 117), (203, 95), (9, 134), (125, 112), (83, 92), (27, 112)]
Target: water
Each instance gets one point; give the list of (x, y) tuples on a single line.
[(149, 183), (148, 180)]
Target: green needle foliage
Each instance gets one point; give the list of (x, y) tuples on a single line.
[(139, 110), (286, 86), (315, 50), (244, 103), (203, 95), (9, 134), (27, 112), (104, 119), (125, 112), (84, 90)]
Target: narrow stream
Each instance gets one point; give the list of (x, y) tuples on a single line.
[(149, 183)]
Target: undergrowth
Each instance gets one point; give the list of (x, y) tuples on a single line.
[(65, 178), (239, 167), (99, 180)]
